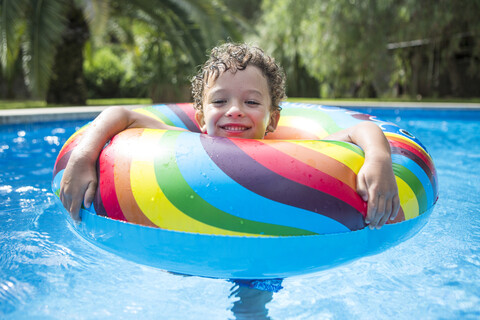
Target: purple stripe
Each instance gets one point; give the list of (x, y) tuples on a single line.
[(255, 177), (183, 116), (412, 156)]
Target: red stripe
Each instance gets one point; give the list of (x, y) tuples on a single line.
[(189, 111), (416, 151), (319, 161), (300, 172), (69, 145), (107, 185)]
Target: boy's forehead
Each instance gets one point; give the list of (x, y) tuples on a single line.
[(215, 74)]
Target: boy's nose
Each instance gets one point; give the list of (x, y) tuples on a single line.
[(235, 111)]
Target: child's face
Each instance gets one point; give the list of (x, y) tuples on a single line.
[(238, 105)]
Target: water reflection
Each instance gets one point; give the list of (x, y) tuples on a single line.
[(251, 298)]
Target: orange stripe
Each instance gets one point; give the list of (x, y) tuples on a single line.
[(399, 218), (123, 188), (290, 133)]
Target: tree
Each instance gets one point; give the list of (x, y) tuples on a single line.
[(30, 31), (39, 32), (437, 47), (170, 39), (363, 48), (279, 34), (67, 81)]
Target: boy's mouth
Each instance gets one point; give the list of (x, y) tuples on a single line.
[(234, 128)]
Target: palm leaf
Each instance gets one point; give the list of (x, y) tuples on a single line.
[(97, 14), (171, 24), (215, 21), (46, 22), (12, 26)]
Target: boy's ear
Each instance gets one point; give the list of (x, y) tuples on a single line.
[(200, 121), (274, 118)]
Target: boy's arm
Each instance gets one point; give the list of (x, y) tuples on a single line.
[(79, 181), (375, 181)]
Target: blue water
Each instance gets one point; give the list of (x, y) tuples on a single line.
[(48, 272)]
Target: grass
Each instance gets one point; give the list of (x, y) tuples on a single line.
[(24, 104), (116, 102), (13, 104), (320, 101)]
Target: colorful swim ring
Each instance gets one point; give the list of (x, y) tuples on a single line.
[(235, 208)]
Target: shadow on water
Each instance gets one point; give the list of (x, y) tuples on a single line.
[(250, 303)]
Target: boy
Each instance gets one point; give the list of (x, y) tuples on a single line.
[(236, 94)]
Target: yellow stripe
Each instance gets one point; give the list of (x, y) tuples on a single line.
[(344, 155), (150, 198), (304, 124), (148, 114), (408, 199)]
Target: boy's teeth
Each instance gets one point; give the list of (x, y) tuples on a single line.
[(235, 128)]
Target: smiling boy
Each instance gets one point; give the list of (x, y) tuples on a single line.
[(237, 94)]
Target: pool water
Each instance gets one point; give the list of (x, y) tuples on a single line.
[(48, 272)]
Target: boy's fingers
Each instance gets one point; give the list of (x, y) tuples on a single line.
[(66, 201), (386, 214), (75, 216), (74, 209), (362, 189), (75, 205), (384, 209), (396, 207), (90, 194), (371, 213)]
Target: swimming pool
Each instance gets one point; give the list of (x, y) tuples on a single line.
[(47, 271)]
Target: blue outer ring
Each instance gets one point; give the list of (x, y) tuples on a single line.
[(237, 257)]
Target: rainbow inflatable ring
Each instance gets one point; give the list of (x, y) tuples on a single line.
[(247, 209)]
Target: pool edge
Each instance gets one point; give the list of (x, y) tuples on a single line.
[(18, 116)]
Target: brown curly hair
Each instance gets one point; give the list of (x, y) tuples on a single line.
[(234, 57)]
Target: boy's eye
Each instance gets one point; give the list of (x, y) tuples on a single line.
[(218, 101), (252, 102)]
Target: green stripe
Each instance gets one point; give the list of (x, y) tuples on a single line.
[(159, 115), (414, 183), (182, 196), (323, 118)]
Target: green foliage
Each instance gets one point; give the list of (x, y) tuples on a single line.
[(11, 31), (103, 74), (174, 36), (362, 48), (163, 42), (328, 48), (45, 23), (33, 29)]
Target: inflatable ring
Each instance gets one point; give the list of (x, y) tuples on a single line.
[(253, 209)]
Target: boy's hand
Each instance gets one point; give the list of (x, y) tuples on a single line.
[(79, 183), (376, 184)]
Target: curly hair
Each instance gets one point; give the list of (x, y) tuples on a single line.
[(234, 57)]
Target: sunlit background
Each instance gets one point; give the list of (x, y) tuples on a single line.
[(68, 51)]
